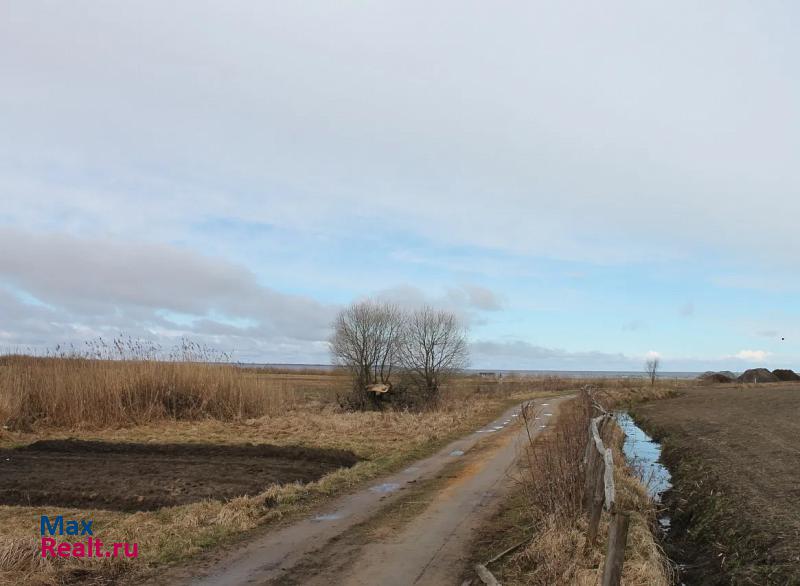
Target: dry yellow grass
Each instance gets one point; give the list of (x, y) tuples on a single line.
[(76, 392), (548, 507)]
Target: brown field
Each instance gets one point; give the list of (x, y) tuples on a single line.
[(735, 458), (146, 477)]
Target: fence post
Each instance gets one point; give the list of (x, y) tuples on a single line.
[(592, 458), (615, 555), (594, 461), (597, 499)]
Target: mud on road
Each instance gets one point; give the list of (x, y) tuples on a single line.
[(141, 477), (735, 461)]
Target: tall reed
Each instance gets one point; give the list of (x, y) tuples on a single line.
[(125, 382)]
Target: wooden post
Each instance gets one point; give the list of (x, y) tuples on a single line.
[(591, 464), (597, 499), (615, 555), (593, 461)]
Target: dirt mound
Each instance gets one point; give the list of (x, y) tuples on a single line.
[(716, 377), (144, 477), (758, 375), (785, 374)]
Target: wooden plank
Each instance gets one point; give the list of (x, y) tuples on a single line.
[(615, 555), (508, 550), (599, 407), (485, 575), (593, 426), (608, 481), (588, 390)]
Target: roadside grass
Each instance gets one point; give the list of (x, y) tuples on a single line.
[(386, 440), (544, 516)]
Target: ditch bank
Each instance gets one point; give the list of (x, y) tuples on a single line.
[(733, 509), (683, 521)]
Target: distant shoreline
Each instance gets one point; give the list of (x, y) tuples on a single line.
[(561, 373)]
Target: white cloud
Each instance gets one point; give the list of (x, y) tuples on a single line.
[(752, 355), (397, 115), (57, 288), (467, 301), (517, 354), (595, 135), (481, 298)]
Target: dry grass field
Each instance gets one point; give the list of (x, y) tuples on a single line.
[(735, 461), (142, 416)]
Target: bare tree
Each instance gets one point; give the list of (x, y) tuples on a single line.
[(434, 345), (651, 368), (366, 340)]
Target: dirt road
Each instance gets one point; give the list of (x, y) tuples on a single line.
[(413, 527)]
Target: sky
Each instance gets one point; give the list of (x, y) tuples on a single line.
[(584, 184)]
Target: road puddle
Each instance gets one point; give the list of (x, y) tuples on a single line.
[(329, 517), (386, 487)]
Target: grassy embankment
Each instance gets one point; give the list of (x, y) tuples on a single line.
[(147, 400), (545, 512)]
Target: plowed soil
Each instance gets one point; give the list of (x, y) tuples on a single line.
[(140, 477), (734, 454)]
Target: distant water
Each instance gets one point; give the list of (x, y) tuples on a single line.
[(561, 373), (286, 366), (592, 373)]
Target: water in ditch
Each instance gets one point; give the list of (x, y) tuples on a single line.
[(643, 454)]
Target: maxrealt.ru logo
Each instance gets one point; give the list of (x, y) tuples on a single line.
[(90, 548)]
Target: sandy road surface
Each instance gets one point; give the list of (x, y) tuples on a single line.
[(343, 544)]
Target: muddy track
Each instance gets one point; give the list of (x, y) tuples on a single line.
[(413, 527)]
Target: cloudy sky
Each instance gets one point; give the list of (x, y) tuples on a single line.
[(585, 183)]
